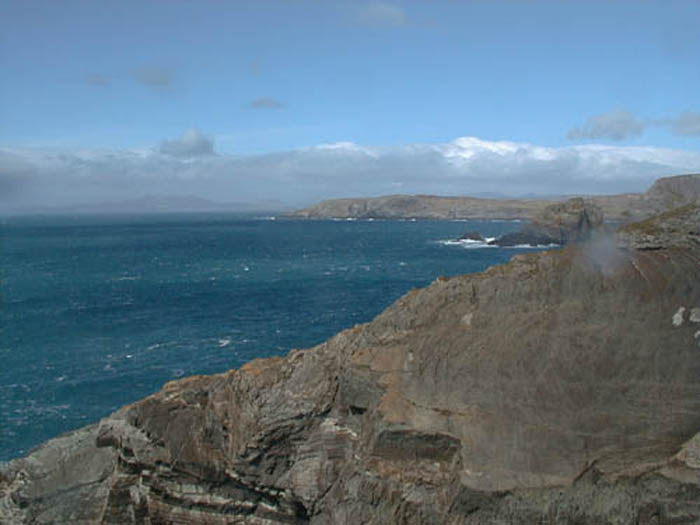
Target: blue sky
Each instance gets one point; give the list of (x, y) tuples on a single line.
[(261, 77)]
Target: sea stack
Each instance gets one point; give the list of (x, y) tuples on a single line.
[(571, 221), (562, 387)]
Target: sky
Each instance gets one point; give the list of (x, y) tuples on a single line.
[(293, 101)]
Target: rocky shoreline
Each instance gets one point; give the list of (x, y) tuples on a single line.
[(562, 387)]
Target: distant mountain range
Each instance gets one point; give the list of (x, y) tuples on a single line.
[(159, 204)]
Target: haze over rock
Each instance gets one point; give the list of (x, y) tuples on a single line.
[(562, 387)]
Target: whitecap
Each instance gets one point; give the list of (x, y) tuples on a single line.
[(538, 246), (469, 243), (224, 342)]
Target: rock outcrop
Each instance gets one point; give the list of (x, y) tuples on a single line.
[(560, 223), (666, 193), (570, 221), (562, 387), (471, 236)]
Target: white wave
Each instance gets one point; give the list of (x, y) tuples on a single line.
[(469, 243), (224, 342), (538, 246)]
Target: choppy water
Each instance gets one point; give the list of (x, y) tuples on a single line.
[(98, 312)]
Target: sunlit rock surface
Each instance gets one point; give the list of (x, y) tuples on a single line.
[(563, 387)]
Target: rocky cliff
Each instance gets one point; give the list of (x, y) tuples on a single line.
[(562, 387), (666, 193)]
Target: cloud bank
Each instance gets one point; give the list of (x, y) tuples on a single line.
[(36, 178)]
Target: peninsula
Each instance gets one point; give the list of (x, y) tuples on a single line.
[(664, 193)]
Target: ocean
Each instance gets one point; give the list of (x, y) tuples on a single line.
[(100, 311)]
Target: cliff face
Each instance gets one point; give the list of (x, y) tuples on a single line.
[(666, 193), (561, 387), (673, 192)]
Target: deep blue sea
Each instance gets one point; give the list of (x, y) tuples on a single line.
[(100, 311)]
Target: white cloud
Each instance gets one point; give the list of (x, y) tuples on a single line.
[(615, 125), (465, 166), (193, 143)]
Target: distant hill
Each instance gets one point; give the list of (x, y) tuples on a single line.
[(664, 193)]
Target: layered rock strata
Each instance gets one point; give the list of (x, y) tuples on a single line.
[(562, 387)]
